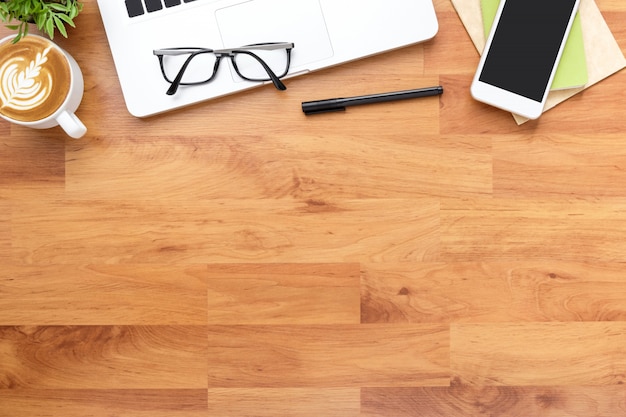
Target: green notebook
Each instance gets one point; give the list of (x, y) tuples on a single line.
[(572, 69)]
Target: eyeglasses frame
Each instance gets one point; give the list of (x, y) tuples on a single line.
[(225, 53)]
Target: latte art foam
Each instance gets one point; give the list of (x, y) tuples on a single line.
[(34, 79), (24, 89)]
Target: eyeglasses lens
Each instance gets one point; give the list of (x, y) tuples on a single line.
[(199, 69), (250, 68)]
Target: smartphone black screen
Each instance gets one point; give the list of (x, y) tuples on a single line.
[(525, 45)]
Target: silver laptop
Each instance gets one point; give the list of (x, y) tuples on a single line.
[(324, 33)]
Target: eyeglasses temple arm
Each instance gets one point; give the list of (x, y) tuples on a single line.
[(257, 46), (277, 82), (176, 82), (179, 51)]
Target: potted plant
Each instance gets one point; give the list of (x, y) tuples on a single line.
[(49, 15)]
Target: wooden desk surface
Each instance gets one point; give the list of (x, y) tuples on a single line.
[(236, 258)]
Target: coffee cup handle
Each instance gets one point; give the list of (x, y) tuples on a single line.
[(71, 124)]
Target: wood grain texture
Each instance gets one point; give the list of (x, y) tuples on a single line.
[(470, 401), (514, 354), (560, 228), (239, 259), (103, 357), (322, 356), (275, 165), (270, 402), (30, 167), (5, 231), (493, 292), (597, 163), (284, 294), (114, 402), (103, 294), (224, 230)]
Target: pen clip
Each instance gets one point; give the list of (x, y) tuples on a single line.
[(323, 106), (326, 110)]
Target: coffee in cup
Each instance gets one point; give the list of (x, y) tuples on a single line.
[(41, 85)]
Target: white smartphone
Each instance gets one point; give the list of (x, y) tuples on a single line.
[(522, 53)]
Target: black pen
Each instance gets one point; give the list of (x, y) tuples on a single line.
[(340, 104)]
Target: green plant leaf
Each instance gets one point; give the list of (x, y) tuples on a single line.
[(49, 27), (59, 7), (66, 19), (49, 16), (40, 20), (60, 27)]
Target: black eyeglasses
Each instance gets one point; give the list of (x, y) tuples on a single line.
[(194, 66)]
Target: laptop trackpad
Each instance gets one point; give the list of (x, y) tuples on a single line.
[(300, 22)]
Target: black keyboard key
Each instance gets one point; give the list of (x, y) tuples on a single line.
[(170, 3), (134, 8), (189, 1), (153, 5)]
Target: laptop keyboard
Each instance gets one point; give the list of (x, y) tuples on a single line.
[(139, 7)]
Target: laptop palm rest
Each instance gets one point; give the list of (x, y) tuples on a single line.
[(300, 22)]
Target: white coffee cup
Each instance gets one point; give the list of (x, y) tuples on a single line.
[(41, 85)]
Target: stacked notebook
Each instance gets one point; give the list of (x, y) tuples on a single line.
[(603, 54)]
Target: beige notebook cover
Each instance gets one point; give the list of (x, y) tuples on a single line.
[(604, 56)]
